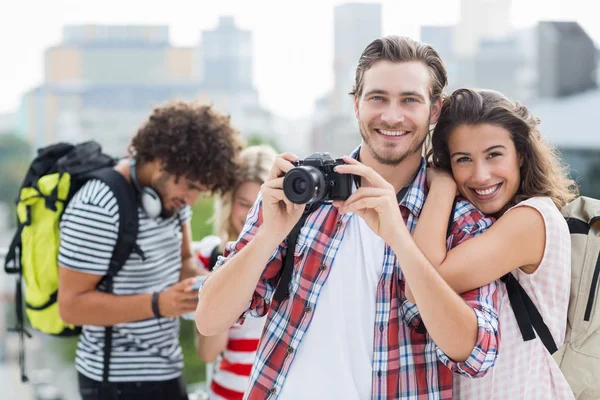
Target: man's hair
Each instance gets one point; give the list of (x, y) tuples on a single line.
[(192, 141), (256, 163), (402, 49), (542, 173)]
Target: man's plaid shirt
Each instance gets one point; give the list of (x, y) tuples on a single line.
[(406, 363)]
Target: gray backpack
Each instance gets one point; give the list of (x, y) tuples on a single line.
[(579, 356)]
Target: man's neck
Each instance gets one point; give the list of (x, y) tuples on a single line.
[(143, 172), (398, 175)]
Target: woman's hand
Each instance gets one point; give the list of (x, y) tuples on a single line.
[(439, 177)]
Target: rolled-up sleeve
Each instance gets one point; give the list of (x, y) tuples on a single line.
[(483, 356), (483, 300), (468, 223), (259, 304)]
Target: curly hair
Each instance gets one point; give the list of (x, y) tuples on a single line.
[(256, 164), (542, 173), (193, 141)]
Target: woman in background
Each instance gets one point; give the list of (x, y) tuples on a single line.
[(238, 345)]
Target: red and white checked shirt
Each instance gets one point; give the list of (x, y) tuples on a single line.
[(406, 364)]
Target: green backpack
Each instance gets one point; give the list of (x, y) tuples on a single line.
[(53, 178)]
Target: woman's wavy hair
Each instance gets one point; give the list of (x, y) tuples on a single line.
[(542, 174), (256, 163), (192, 141)]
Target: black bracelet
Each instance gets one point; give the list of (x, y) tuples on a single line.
[(155, 309)]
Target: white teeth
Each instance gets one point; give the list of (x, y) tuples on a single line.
[(392, 133), (487, 191)]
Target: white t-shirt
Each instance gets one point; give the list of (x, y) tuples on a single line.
[(337, 354)]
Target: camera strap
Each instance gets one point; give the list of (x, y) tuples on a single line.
[(283, 287)]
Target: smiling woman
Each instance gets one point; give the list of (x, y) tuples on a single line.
[(238, 345), (488, 149)]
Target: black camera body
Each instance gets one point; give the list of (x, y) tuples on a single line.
[(313, 180)]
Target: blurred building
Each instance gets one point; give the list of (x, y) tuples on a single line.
[(226, 55), (337, 136), (566, 123), (102, 81), (8, 123), (442, 40), (334, 129), (224, 63), (549, 60), (566, 59), (355, 26), (479, 20), (497, 64)]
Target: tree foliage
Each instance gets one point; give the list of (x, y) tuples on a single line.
[(15, 156)]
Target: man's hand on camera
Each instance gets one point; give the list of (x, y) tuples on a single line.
[(279, 214), (376, 203), (178, 299)]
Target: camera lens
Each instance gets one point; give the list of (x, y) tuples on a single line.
[(304, 185), (299, 185)]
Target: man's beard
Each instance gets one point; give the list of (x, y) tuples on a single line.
[(394, 159), (160, 187)]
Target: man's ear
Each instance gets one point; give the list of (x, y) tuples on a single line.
[(436, 109), (356, 99)]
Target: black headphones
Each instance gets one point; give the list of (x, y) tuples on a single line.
[(149, 200)]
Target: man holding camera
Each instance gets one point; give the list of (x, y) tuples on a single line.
[(347, 330)]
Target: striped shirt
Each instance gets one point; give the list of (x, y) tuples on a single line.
[(230, 378), (142, 350), (406, 364)]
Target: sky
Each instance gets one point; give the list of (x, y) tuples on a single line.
[(293, 40)]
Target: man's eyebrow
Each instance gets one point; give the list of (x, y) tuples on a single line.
[(376, 91), (409, 93), (194, 186)]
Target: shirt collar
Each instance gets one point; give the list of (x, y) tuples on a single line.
[(415, 193)]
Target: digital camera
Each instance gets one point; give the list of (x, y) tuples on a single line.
[(313, 180)]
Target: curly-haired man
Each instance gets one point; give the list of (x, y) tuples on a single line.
[(179, 152)]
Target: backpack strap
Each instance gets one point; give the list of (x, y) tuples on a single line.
[(126, 197), (527, 315)]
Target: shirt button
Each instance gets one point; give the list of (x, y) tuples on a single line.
[(272, 390), (290, 350), (379, 374), (309, 309), (323, 267), (339, 223), (381, 327)]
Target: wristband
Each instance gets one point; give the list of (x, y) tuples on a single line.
[(155, 308)]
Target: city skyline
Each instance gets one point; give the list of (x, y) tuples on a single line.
[(293, 66)]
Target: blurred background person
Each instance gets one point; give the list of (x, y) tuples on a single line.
[(238, 345)]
